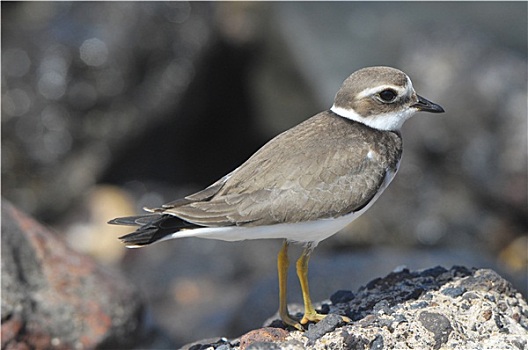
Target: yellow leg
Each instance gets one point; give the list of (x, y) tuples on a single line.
[(282, 265), (302, 272)]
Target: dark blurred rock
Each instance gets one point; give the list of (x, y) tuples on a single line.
[(411, 309), (54, 298), (209, 133), (81, 82), (218, 343)]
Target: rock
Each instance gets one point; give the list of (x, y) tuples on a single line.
[(54, 298), (341, 296), (328, 324), (437, 324), (261, 336), (429, 309), (214, 343)]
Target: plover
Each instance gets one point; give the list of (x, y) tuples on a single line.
[(305, 184)]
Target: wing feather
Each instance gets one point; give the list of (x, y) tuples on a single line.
[(293, 179)]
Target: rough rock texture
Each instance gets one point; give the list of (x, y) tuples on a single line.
[(431, 309), (54, 298)]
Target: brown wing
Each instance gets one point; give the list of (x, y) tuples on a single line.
[(321, 168)]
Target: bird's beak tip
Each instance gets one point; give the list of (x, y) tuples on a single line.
[(424, 105)]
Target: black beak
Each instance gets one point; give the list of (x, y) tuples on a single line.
[(425, 105)]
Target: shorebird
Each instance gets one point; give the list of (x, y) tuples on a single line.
[(305, 184)]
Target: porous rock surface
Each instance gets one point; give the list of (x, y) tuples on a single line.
[(55, 298), (436, 309)]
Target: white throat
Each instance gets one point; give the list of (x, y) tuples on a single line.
[(387, 121)]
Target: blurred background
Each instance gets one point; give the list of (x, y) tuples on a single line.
[(108, 107)]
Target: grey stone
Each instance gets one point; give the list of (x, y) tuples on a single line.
[(341, 296), (377, 343), (264, 346), (454, 292), (353, 342), (328, 324), (224, 347), (439, 325)]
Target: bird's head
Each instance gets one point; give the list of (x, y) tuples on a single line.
[(380, 97)]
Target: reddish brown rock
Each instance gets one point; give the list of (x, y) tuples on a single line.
[(266, 334), (55, 298)]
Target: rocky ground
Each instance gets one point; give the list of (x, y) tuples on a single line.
[(55, 298), (430, 309)]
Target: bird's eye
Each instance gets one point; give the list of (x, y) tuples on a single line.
[(387, 95)]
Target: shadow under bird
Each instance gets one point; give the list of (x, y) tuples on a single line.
[(305, 184)]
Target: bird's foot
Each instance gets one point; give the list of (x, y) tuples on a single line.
[(316, 317), (290, 321), (308, 317), (312, 317)]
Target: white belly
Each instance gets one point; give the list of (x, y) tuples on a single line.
[(303, 232)]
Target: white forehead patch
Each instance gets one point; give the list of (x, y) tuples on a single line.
[(410, 87)]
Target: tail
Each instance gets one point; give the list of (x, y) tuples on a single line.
[(152, 228)]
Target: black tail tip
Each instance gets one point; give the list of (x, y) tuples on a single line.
[(139, 238)]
